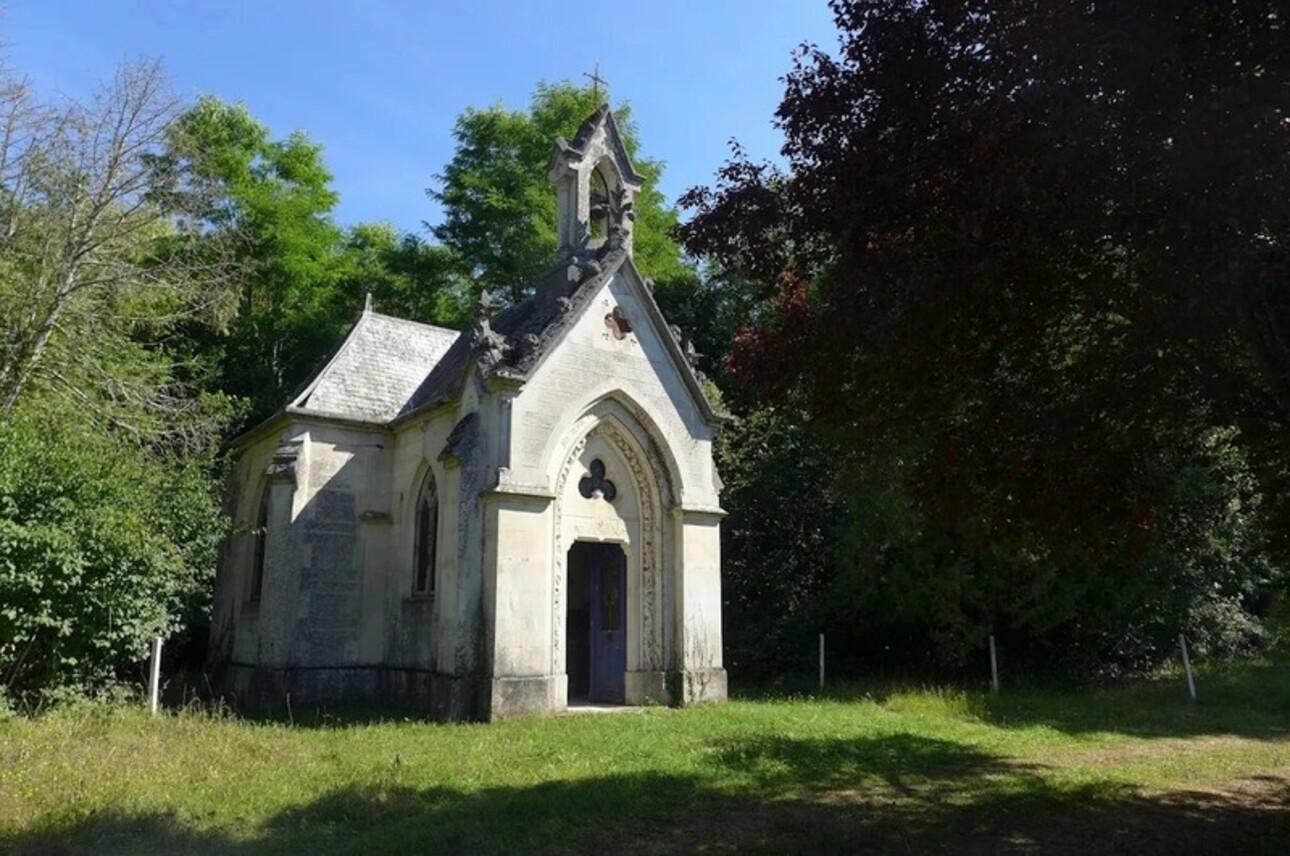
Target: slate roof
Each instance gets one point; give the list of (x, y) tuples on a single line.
[(376, 370), (512, 343), (388, 367)]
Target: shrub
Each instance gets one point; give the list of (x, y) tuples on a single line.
[(102, 545)]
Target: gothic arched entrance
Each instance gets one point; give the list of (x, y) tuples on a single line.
[(607, 599)]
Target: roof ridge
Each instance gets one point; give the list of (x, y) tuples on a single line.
[(409, 321)]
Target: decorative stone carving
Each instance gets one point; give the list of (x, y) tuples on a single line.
[(282, 468), (594, 485), (618, 323), (561, 560), (489, 345), (644, 475), (650, 521)]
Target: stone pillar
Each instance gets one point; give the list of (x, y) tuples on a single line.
[(700, 677), (517, 615)]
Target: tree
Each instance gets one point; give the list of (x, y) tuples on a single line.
[(499, 208), (406, 275), (102, 546), (270, 200), (1029, 259), (1047, 240), (109, 515), (88, 256)]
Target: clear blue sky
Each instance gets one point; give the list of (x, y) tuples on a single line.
[(379, 83)]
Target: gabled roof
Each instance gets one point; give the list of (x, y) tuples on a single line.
[(376, 370), (575, 149), (512, 344), (388, 368)]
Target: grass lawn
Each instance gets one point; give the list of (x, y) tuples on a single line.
[(1134, 769)]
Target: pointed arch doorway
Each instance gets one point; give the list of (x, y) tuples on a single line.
[(597, 623)]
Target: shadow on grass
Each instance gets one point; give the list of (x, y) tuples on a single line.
[(770, 795)]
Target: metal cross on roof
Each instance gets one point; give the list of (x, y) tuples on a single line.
[(596, 80)]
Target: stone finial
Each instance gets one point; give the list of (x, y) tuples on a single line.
[(489, 345)]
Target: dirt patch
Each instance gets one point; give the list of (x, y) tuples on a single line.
[(1247, 816), (1167, 747), (1250, 816)]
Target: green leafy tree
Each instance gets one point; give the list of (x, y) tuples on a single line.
[(108, 511), (272, 201), (499, 208), (777, 559), (406, 275), (90, 265)]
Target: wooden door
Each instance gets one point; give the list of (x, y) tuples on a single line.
[(607, 578)]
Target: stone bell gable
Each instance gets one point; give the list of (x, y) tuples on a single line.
[(503, 521), (596, 185)]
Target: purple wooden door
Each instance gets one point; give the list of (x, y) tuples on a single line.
[(608, 591)]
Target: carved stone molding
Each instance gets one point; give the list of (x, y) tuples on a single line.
[(644, 475)]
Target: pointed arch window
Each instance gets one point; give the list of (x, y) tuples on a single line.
[(427, 538), (260, 536), (600, 205)]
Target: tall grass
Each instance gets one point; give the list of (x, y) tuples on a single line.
[(915, 768)]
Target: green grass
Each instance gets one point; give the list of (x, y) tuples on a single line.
[(1133, 769)]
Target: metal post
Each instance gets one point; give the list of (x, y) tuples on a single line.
[(154, 683), (1191, 681), (994, 666), (821, 661)]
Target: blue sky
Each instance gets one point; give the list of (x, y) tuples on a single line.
[(380, 83)]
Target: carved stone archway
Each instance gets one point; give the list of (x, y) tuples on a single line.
[(648, 554)]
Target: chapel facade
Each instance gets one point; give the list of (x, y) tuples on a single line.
[(490, 523)]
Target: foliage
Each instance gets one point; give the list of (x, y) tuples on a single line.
[(1025, 264), (272, 201), (102, 546), (406, 275), (709, 312), (499, 207), (779, 491), (1205, 571), (108, 515), (89, 262), (961, 228), (922, 770)]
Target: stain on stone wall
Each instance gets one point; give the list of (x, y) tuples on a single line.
[(332, 580)]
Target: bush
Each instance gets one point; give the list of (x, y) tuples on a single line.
[(102, 545)]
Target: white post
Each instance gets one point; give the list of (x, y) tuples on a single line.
[(821, 661), (994, 666), (1191, 681), (154, 682)]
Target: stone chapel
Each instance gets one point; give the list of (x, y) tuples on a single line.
[(491, 523)]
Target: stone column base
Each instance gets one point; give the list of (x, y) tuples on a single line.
[(509, 698), (699, 686), (696, 686), (648, 688)]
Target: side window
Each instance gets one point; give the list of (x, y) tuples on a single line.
[(260, 536), (427, 537)]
